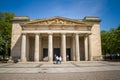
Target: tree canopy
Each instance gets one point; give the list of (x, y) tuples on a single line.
[(111, 41), (5, 32)]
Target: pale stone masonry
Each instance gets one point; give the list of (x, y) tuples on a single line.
[(41, 39)]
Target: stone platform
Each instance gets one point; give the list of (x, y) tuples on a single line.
[(44, 67), (65, 71)]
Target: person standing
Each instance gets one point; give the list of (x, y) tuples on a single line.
[(60, 59), (67, 57), (56, 59)]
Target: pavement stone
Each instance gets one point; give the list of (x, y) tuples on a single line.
[(101, 75), (58, 68), (66, 71)]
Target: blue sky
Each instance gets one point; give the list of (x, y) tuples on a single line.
[(107, 10)]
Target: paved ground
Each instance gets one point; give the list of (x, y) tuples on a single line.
[(106, 75), (66, 71), (58, 68)]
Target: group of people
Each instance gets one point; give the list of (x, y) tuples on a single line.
[(58, 59)]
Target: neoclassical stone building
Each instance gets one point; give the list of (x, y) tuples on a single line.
[(41, 39)]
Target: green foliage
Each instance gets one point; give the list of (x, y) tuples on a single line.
[(5, 32), (111, 41)]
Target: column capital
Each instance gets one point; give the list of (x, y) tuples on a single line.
[(86, 35), (50, 33), (24, 33), (63, 33), (76, 33), (37, 33)]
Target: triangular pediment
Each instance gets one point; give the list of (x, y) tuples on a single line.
[(56, 21)]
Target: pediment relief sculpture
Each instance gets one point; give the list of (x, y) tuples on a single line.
[(56, 21)]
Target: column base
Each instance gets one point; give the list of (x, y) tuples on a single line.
[(51, 61), (90, 59), (86, 59), (36, 61), (23, 60), (64, 61)]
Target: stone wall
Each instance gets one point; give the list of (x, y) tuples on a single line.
[(16, 40), (95, 42)]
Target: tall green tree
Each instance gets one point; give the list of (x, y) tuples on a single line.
[(104, 40), (111, 41), (118, 39), (5, 32)]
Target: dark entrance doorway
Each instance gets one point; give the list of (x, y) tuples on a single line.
[(45, 54), (56, 51), (68, 56)]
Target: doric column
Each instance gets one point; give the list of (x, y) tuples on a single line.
[(50, 47), (27, 47), (40, 48), (63, 47), (90, 48), (36, 54), (73, 48), (77, 47), (86, 47), (23, 48)]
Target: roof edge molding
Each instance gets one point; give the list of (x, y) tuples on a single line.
[(56, 20), (91, 19), (20, 19)]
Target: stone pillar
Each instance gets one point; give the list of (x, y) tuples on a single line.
[(27, 47), (63, 47), (90, 48), (50, 47), (40, 48), (23, 48), (77, 49), (86, 47), (36, 54), (73, 48)]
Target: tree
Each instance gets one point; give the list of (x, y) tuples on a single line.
[(5, 32), (118, 39), (110, 41), (105, 39)]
